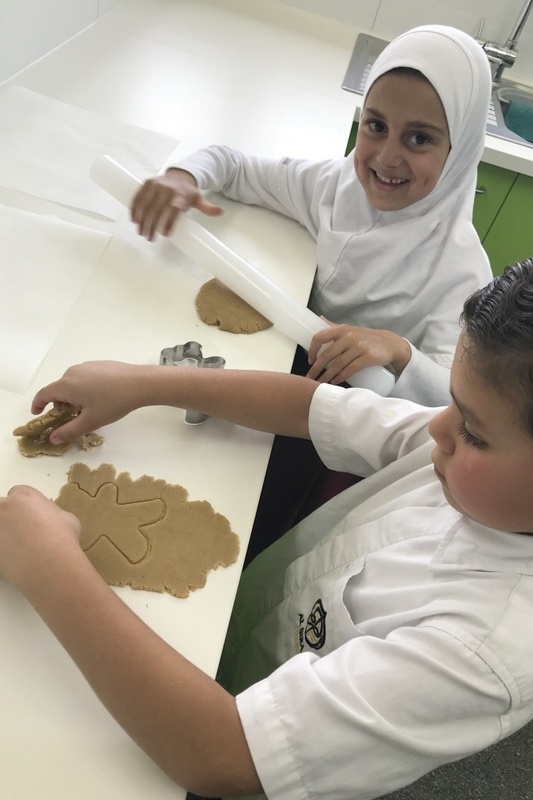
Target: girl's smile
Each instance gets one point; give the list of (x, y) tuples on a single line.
[(402, 142), (391, 182)]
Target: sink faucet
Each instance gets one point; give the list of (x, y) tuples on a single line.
[(499, 55)]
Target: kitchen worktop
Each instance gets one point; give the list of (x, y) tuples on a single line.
[(260, 76), (199, 72)]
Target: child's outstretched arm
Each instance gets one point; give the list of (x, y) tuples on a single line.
[(182, 718), (105, 391), (160, 201)]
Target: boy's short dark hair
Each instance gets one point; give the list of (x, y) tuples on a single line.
[(498, 323)]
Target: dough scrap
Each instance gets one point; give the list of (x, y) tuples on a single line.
[(218, 305), (34, 436), (145, 533)]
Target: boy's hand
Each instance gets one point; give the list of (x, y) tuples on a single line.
[(101, 391), (160, 201), (338, 352), (33, 530)]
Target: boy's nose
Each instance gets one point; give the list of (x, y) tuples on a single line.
[(441, 429)]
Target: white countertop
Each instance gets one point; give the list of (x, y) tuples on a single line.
[(201, 72), (55, 738), (260, 76)]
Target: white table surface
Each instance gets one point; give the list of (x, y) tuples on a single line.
[(260, 76)]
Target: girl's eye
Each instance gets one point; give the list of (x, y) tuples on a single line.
[(469, 439), (420, 138), (376, 126)]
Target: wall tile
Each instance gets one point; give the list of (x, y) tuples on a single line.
[(31, 28), (361, 14), (388, 18)]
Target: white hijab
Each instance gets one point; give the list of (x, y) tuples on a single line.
[(430, 248)]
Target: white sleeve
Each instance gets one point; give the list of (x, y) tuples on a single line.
[(425, 379), (372, 716), (292, 187), (356, 430)]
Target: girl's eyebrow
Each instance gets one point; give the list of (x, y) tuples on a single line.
[(373, 111), (468, 414)]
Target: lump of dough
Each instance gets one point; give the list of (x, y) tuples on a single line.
[(218, 305)]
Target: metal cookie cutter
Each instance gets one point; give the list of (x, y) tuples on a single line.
[(190, 355)]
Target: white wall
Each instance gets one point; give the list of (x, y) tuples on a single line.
[(31, 28), (388, 18)]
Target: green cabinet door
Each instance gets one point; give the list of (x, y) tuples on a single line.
[(510, 237), (351, 138), (493, 186)]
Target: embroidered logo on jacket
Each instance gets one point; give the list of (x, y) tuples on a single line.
[(313, 631)]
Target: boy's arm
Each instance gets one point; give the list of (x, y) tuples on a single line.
[(105, 391), (179, 716)]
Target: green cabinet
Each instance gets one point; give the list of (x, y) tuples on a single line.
[(503, 212), (510, 235), (351, 138), (493, 186)]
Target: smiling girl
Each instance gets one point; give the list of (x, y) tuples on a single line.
[(397, 253), (396, 250), (403, 140)]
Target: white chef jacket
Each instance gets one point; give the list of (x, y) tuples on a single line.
[(386, 634), (410, 272)]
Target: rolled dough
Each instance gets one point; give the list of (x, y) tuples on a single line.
[(145, 533), (218, 305)]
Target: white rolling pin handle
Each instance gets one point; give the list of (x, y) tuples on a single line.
[(293, 319)]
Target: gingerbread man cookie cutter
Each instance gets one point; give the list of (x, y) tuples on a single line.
[(190, 355)]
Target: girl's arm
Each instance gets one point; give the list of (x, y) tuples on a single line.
[(105, 391), (160, 201), (179, 716)]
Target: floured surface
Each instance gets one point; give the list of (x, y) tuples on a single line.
[(145, 533), (218, 305)]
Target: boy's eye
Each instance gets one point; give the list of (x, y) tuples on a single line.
[(473, 441)]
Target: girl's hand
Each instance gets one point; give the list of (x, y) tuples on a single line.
[(33, 530), (338, 352), (101, 391), (160, 201)]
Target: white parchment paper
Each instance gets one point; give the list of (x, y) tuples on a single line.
[(44, 265), (47, 148)]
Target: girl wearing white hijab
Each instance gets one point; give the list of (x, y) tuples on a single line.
[(400, 275), (397, 253)]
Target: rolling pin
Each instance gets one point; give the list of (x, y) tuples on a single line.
[(293, 319)]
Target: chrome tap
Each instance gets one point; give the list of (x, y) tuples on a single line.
[(501, 56)]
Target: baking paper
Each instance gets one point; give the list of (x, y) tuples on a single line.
[(47, 147), (45, 264)]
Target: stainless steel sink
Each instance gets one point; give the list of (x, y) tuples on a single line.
[(511, 107)]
